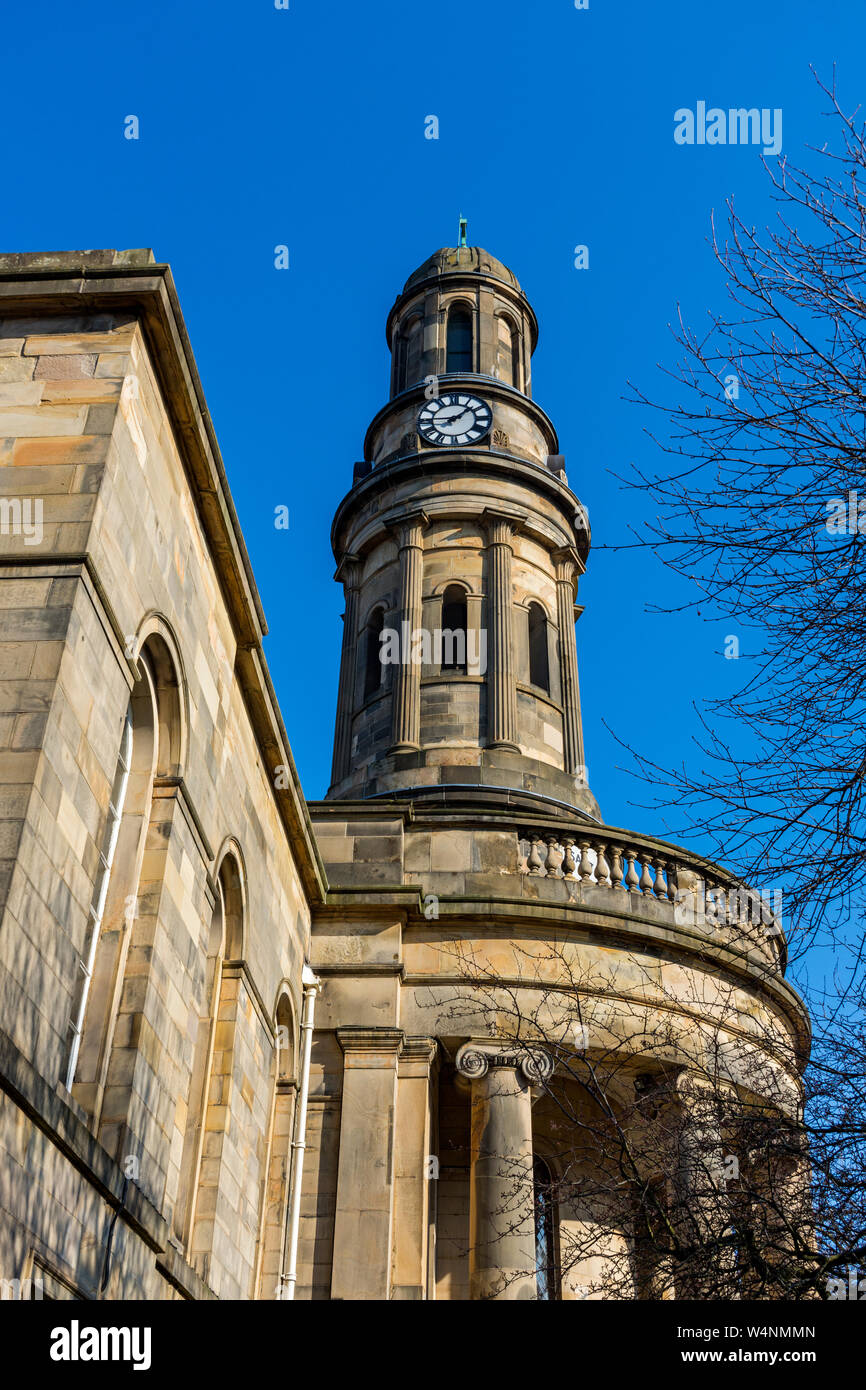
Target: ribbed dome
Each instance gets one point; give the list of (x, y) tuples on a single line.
[(471, 258)]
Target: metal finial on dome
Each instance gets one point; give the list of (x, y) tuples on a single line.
[(461, 237)]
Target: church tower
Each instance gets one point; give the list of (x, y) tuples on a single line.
[(460, 547), (489, 948)]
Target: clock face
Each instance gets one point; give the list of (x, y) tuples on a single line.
[(456, 418)]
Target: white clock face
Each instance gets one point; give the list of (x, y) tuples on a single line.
[(456, 418)]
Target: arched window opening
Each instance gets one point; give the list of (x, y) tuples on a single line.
[(412, 345), (101, 1067), (275, 1187), (285, 1069), (458, 357), (539, 663), (99, 996), (373, 669), (213, 1080), (545, 1233), (454, 629), (507, 352)]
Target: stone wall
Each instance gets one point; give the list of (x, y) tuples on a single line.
[(126, 567)]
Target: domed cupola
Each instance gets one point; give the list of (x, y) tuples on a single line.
[(460, 546)]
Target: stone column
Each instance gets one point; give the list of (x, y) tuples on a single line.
[(416, 1168), (363, 1220), (572, 729), (702, 1214), (780, 1209), (406, 715), (501, 684), (349, 572), (502, 1195)]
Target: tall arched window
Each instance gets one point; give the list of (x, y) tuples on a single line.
[(545, 1232), (454, 628), (149, 748), (214, 1084), (539, 664), (373, 653), (458, 356), (507, 352), (275, 1196)]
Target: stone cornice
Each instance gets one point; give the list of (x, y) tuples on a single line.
[(467, 505)]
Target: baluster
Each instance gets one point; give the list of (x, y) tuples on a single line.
[(712, 913), (726, 907), (646, 882), (602, 868), (585, 861), (616, 868), (568, 865), (552, 864), (673, 883), (631, 879), (660, 887), (533, 863)]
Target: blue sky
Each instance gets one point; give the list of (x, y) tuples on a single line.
[(305, 127)]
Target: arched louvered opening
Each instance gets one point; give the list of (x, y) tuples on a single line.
[(454, 629), (507, 352), (458, 356), (373, 669), (412, 342), (539, 661)]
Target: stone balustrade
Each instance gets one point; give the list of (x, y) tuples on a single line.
[(622, 863)]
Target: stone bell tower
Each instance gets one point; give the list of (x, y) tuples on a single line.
[(486, 937), (459, 548)]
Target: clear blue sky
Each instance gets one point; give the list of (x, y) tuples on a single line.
[(260, 127)]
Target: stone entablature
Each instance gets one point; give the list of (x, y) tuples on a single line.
[(459, 845)]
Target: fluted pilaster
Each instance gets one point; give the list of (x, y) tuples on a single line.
[(406, 717), (501, 684), (572, 728), (350, 574)]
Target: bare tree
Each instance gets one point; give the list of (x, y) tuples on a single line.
[(762, 509), (711, 1180)]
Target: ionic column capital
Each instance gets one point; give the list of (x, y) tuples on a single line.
[(477, 1057)]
